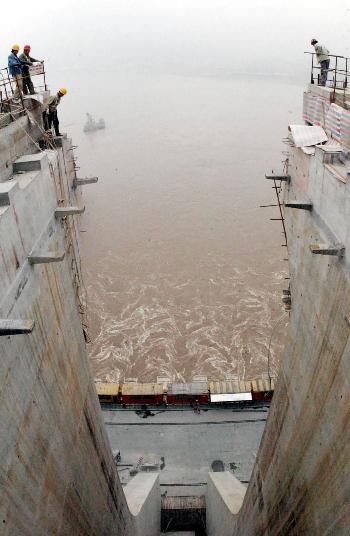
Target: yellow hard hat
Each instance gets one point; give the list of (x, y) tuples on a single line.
[(62, 90), (15, 47)]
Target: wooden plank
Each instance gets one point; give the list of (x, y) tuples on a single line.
[(107, 389), (183, 503), (324, 249), (81, 182), (10, 326), (303, 205), (330, 149), (285, 178), (61, 212), (45, 258)]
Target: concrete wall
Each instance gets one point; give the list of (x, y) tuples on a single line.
[(143, 497), (56, 469), (224, 499), (20, 136), (301, 480)]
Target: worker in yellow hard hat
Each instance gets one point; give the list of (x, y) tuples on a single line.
[(15, 66), (50, 114)]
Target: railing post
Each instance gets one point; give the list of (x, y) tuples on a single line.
[(9, 80), (346, 73), (312, 69), (335, 77), (45, 86)]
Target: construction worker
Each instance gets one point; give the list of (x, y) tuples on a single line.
[(50, 115), (322, 55), (197, 408), (15, 65), (28, 88)]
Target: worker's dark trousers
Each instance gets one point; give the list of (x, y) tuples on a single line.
[(53, 119), (28, 88), (324, 72)]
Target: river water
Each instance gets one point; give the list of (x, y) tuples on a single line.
[(184, 272)]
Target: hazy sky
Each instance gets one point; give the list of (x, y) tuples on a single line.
[(199, 36)]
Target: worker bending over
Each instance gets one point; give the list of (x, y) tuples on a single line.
[(50, 115), (28, 88), (322, 55), (15, 65)]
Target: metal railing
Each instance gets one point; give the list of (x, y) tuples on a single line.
[(338, 71), (8, 89)]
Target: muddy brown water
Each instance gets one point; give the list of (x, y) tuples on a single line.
[(183, 270)]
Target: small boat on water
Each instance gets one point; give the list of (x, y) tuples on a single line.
[(91, 125)]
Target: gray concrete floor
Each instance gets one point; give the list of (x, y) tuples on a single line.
[(185, 444)]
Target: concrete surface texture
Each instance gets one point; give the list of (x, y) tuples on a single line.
[(143, 498), (57, 472), (301, 480), (185, 446), (224, 499), (18, 138)]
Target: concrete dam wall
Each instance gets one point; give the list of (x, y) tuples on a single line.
[(57, 472), (301, 481)]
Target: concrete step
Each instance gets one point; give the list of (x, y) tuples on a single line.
[(7, 190), (28, 162)]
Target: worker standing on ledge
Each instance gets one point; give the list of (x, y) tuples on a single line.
[(50, 116), (28, 87), (322, 54), (15, 65)]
